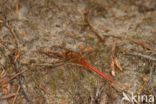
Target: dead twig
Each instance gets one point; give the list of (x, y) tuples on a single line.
[(113, 36), (151, 78), (14, 60), (142, 56), (7, 96), (14, 57), (17, 74), (86, 14), (141, 43), (12, 31), (17, 92)]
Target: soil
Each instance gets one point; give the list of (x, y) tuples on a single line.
[(117, 37)]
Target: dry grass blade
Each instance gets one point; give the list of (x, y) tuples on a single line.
[(114, 61), (113, 67), (112, 58), (117, 63)]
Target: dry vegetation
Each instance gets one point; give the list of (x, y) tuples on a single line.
[(116, 36)]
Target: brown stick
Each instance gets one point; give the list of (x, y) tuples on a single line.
[(14, 100), (143, 56), (142, 43), (7, 96), (86, 14)]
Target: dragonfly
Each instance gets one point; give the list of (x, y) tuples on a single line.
[(78, 58)]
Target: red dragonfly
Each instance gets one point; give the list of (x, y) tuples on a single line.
[(78, 58)]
